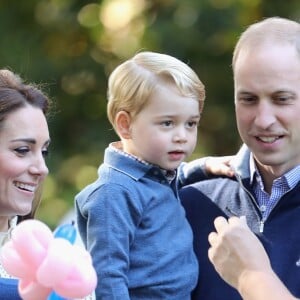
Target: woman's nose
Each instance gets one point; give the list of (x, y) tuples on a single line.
[(39, 167)]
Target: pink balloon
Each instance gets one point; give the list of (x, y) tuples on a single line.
[(59, 261), (82, 279), (14, 264), (45, 264), (31, 290), (32, 240)]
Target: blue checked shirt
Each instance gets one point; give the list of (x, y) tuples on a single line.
[(280, 186)]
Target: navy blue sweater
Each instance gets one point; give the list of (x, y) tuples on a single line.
[(206, 200)]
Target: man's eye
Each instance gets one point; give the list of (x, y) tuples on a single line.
[(247, 99), (283, 98)]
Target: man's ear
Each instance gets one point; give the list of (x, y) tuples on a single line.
[(122, 122)]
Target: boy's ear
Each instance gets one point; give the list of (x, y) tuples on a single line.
[(123, 121)]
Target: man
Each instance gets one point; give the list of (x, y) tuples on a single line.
[(265, 188)]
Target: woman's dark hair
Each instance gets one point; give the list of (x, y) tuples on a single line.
[(15, 94)]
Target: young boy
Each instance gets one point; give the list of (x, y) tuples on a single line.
[(130, 218)]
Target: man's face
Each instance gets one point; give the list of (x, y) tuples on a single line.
[(267, 104)]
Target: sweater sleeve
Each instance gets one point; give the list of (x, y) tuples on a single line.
[(112, 214), (192, 172)]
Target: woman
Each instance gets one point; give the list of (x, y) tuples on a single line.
[(24, 141)]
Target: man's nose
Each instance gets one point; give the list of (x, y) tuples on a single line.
[(265, 115)]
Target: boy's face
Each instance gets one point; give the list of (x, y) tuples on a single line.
[(164, 133)]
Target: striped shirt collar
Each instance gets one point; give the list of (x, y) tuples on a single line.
[(118, 147)]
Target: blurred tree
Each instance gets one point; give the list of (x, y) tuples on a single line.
[(71, 46)]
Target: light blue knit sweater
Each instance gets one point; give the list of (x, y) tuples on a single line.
[(134, 226)]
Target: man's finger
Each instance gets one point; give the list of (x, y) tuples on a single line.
[(220, 223)]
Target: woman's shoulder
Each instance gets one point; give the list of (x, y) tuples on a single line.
[(9, 289)]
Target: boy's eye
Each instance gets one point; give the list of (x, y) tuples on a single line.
[(166, 123), (192, 124)]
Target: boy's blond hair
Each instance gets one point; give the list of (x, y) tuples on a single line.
[(132, 82), (270, 30)]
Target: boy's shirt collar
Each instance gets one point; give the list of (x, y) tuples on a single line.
[(118, 147)]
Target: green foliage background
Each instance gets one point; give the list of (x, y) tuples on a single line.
[(70, 47)]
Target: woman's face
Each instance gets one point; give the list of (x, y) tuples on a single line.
[(24, 139)]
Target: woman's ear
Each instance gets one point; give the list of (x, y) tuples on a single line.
[(122, 123)]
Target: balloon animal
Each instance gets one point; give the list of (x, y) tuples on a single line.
[(49, 266)]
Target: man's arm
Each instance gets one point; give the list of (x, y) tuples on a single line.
[(240, 259)]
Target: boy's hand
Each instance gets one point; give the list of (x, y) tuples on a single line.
[(219, 165)]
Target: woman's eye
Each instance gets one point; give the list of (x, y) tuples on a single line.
[(45, 153), (22, 151)]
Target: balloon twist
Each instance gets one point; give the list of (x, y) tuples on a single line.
[(48, 264)]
